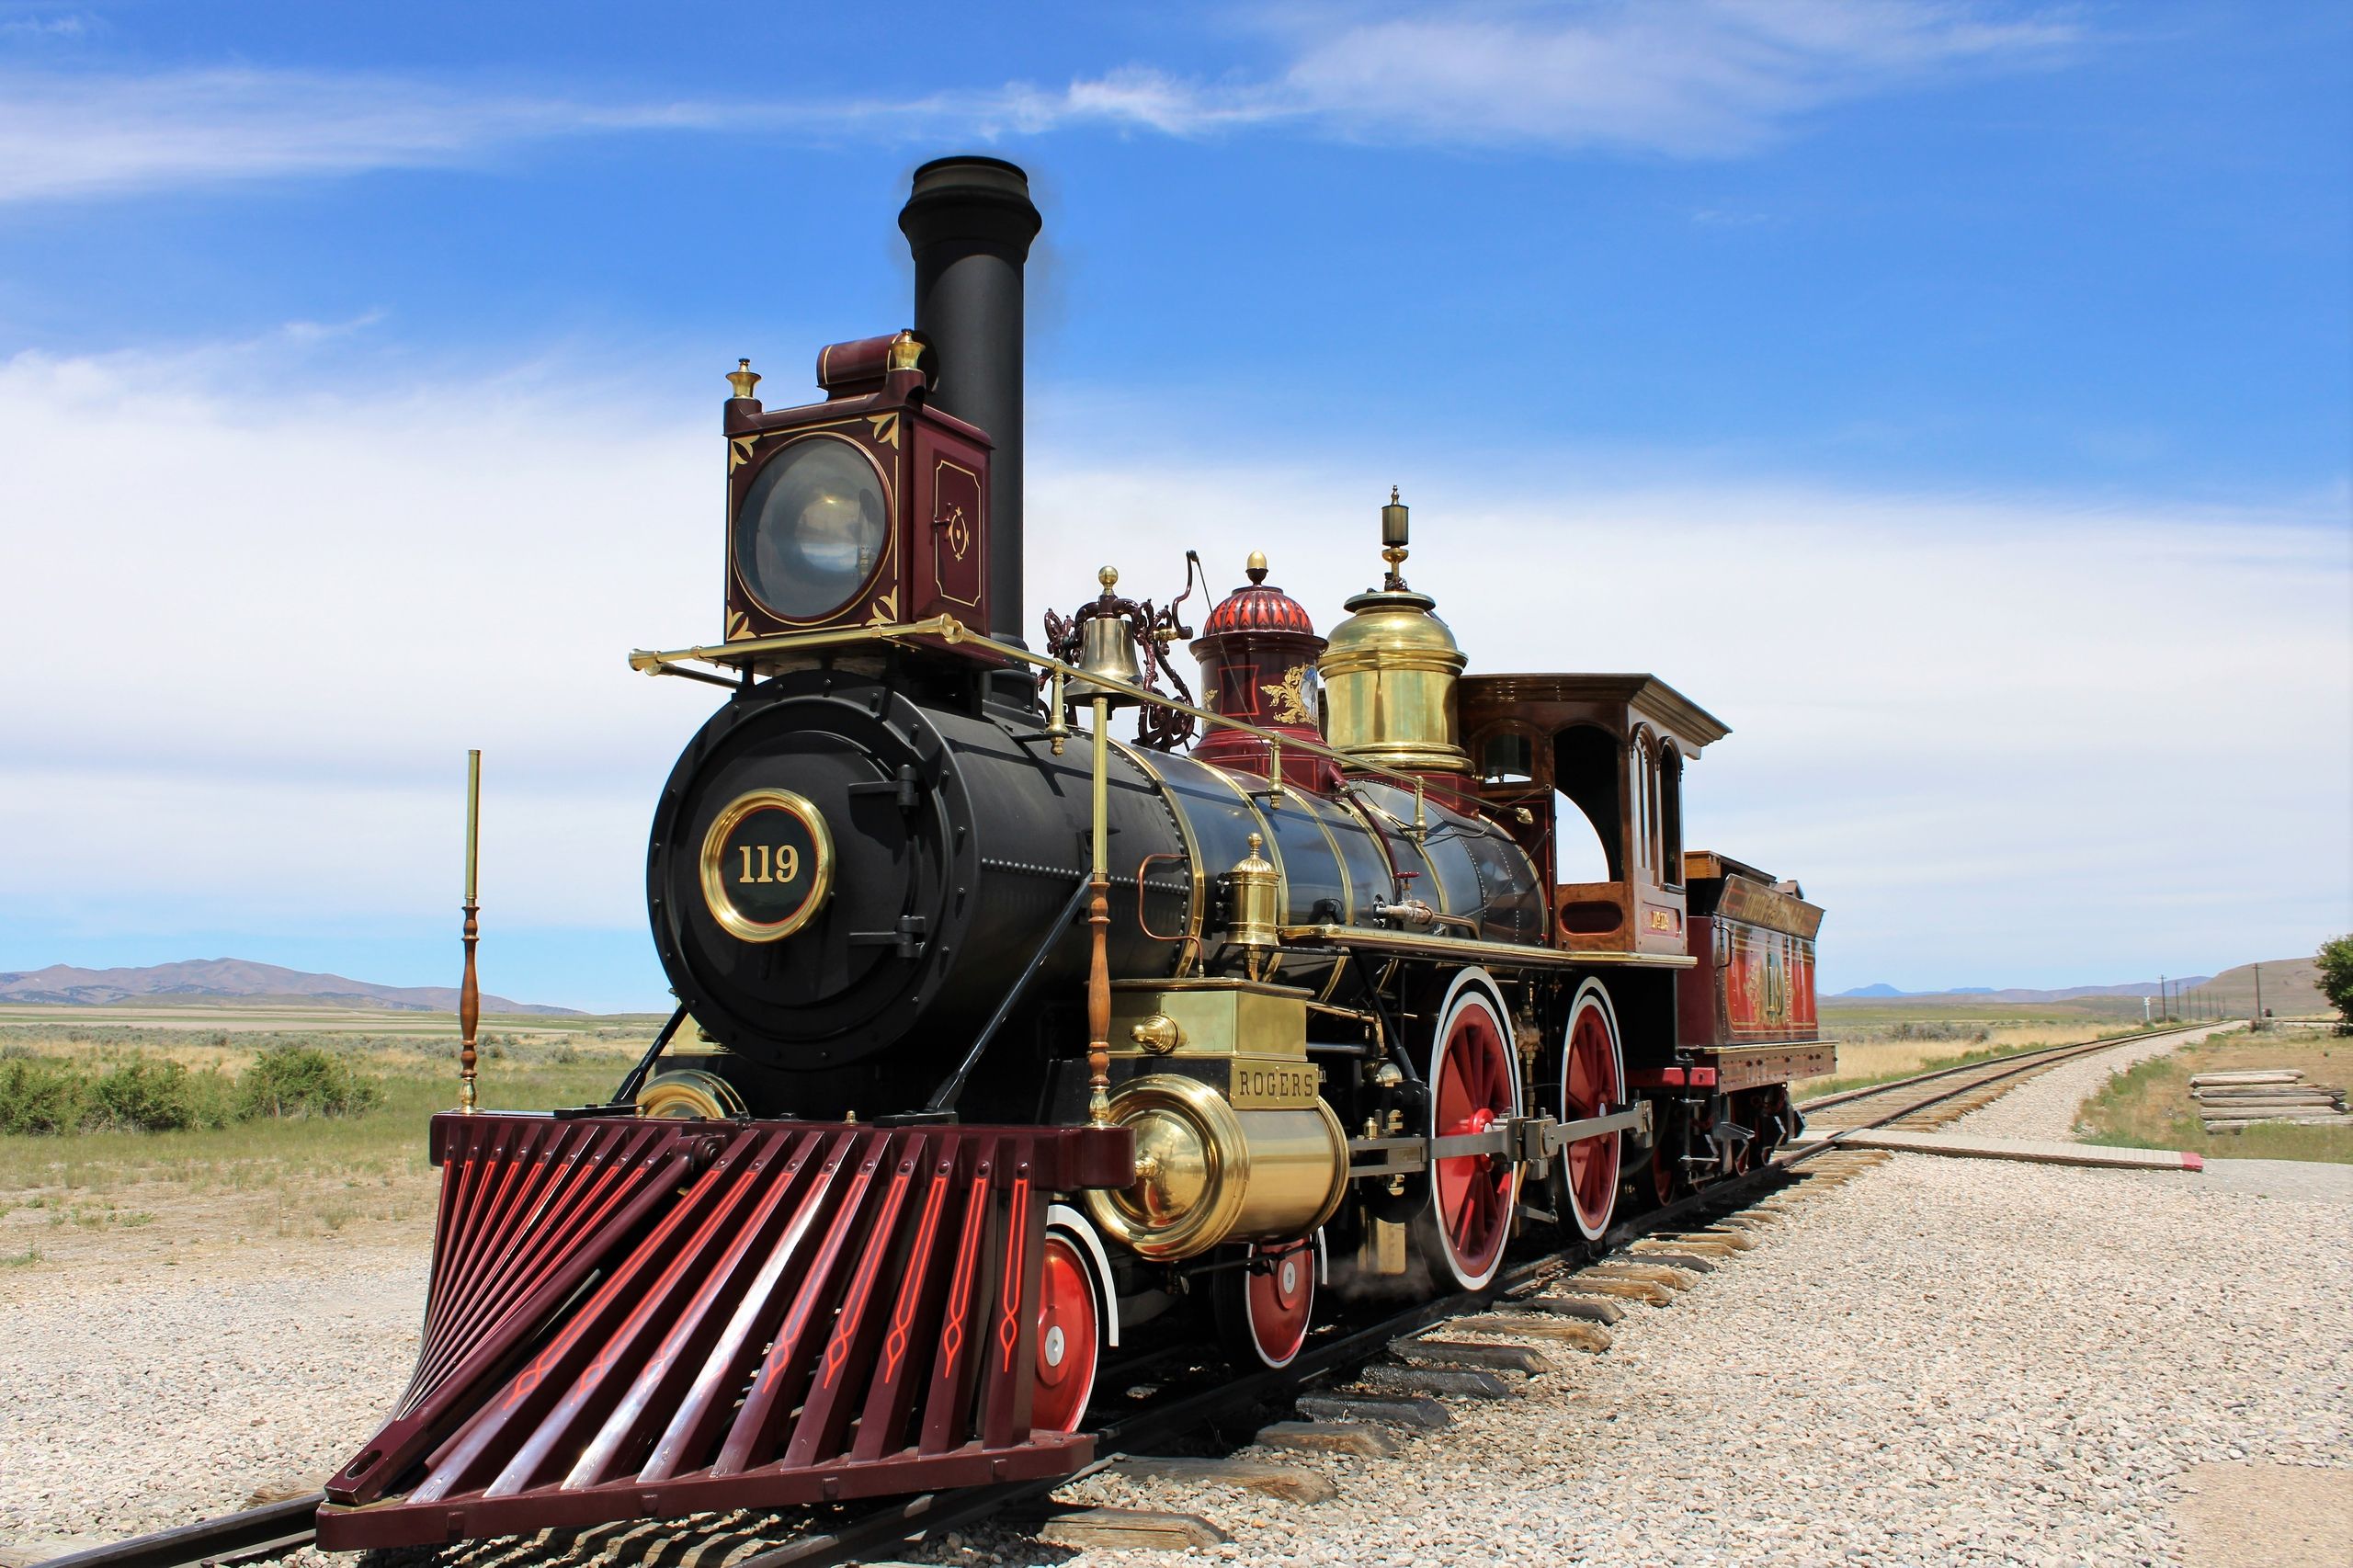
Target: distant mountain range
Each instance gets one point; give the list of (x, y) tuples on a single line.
[(235, 979), (2291, 988), (1989, 993)]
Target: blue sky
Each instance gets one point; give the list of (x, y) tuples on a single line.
[(1955, 398)]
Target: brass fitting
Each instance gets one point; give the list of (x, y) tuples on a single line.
[(1158, 1034), (1255, 903)]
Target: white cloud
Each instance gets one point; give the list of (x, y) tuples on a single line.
[(249, 632), (1707, 78), (86, 134)]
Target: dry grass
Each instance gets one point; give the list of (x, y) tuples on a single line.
[(1877, 1053), (2149, 1107), (114, 1196)]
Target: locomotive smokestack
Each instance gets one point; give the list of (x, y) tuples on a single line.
[(970, 221)]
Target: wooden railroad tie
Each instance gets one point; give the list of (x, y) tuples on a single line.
[(1331, 1437), (1626, 1289), (1128, 1529), (1434, 1383), (1292, 1484), (1714, 1248), (2231, 1102), (1652, 1273), (1416, 1412), (1688, 1262), (1594, 1308), (1577, 1333), (1459, 1353)]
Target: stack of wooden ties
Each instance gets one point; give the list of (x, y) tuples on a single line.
[(2229, 1101)]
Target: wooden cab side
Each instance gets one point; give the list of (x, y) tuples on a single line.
[(1612, 749)]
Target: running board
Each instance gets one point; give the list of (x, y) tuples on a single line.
[(631, 1318)]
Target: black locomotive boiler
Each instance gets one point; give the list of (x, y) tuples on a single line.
[(1015, 1043)]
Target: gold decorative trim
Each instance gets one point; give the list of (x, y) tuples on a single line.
[(714, 850), (957, 530), (1461, 950)]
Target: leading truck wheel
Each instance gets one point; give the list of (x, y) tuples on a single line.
[(1072, 1311), (1593, 1083), (1264, 1307), (1474, 1085)]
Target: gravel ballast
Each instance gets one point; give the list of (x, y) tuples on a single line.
[(1943, 1361), (2047, 1105)]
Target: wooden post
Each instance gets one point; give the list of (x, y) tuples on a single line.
[(1099, 917), (470, 988)]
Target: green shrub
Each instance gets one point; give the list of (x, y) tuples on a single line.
[(42, 1096), (152, 1097), (301, 1080), (2335, 962)]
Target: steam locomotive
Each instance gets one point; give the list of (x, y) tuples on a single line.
[(1017, 1044)]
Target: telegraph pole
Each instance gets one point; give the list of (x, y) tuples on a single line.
[(2256, 1022)]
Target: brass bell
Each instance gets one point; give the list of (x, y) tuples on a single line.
[(1107, 651)]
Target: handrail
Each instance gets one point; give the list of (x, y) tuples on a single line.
[(949, 630)]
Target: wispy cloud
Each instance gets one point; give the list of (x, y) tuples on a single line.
[(83, 134), (64, 24), (332, 595), (1708, 78)]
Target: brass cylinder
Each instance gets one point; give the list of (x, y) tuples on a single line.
[(1206, 1174)]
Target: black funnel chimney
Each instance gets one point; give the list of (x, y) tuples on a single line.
[(970, 221)]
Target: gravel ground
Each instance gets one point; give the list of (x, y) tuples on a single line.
[(1943, 1362), (137, 1405), (2046, 1105)]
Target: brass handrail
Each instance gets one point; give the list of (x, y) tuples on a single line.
[(949, 630)]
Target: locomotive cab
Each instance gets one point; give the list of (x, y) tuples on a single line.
[(1613, 747)]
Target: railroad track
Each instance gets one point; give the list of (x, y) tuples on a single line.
[(1195, 1397), (1951, 1092)]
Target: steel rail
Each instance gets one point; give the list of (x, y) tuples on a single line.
[(2024, 1058), (279, 1528), (246, 1537)]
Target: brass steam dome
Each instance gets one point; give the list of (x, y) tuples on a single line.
[(1389, 674)]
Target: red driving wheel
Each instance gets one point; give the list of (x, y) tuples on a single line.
[(1069, 1336), (1475, 1083), (1593, 1083)]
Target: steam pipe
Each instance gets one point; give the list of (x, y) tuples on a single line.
[(969, 220)]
